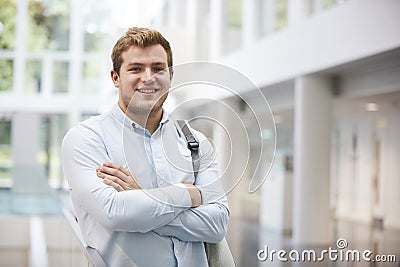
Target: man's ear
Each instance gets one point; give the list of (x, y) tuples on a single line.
[(115, 78), (171, 73)]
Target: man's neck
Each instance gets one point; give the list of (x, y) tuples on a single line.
[(149, 120)]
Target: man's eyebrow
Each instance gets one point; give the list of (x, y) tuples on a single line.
[(159, 63), (141, 64), (135, 64)]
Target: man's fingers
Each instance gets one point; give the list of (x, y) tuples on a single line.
[(121, 173), (117, 174), (116, 182), (117, 167), (117, 186), (114, 172)]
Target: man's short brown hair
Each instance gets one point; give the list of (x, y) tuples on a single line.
[(141, 37)]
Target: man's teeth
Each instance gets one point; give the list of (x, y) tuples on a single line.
[(147, 91)]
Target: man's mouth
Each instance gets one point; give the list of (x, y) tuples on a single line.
[(147, 90)]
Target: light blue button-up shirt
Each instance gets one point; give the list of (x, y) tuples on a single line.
[(154, 226)]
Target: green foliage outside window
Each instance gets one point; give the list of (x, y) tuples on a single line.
[(327, 3), (235, 13), (8, 12), (6, 75), (281, 14), (48, 25), (5, 149)]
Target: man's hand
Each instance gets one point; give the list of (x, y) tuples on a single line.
[(121, 179), (117, 176)]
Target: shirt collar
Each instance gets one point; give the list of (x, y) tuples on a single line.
[(125, 120)]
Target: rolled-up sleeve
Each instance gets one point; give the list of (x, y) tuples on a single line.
[(132, 211)]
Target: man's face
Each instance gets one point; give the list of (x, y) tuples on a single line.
[(144, 80)]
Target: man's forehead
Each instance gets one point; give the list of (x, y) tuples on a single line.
[(149, 52)]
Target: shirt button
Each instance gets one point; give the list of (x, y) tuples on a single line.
[(176, 252)]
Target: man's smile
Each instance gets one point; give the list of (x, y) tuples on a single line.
[(147, 90)]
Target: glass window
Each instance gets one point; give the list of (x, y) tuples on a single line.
[(5, 151), (234, 25), (281, 14), (274, 15), (96, 24), (8, 14), (91, 74), (52, 129), (327, 3), (320, 5), (60, 76), (33, 76), (235, 13), (85, 116), (48, 25), (6, 75)]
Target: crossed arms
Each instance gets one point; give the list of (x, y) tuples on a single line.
[(119, 203)]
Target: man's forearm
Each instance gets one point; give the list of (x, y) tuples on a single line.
[(135, 210), (207, 223), (121, 179)]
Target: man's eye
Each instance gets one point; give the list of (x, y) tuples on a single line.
[(158, 69), (135, 69)]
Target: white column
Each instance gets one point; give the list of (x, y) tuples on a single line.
[(232, 156), (25, 148), (217, 27), (25, 139), (313, 108), (250, 21), (233, 150)]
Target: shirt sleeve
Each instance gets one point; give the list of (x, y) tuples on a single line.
[(208, 222), (134, 211)]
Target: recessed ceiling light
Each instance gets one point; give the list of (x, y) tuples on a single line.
[(371, 106), (277, 119)]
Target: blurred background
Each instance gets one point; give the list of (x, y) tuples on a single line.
[(330, 70)]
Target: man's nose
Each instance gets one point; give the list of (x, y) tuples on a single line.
[(148, 75)]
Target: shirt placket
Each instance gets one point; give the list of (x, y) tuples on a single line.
[(159, 160)]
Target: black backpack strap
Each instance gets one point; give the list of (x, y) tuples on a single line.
[(192, 144)]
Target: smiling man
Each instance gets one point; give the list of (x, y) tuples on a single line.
[(133, 188), (143, 79)]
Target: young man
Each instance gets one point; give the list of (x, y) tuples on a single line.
[(130, 172)]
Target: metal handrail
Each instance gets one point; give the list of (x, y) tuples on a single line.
[(92, 255)]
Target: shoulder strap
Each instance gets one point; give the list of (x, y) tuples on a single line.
[(192, 144), (217, 254)]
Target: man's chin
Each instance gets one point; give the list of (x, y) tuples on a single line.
[(148, 111)]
